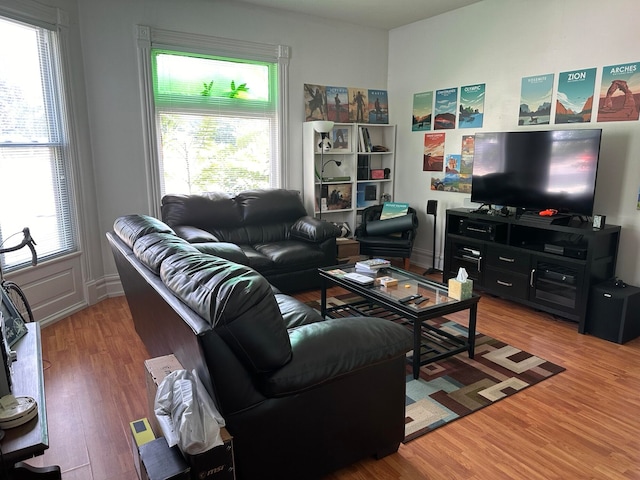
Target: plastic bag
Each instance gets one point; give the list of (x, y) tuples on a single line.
[(186, 414)]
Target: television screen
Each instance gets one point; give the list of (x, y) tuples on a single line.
[(536, 170)]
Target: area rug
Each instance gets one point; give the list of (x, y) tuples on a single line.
[(458, 386)]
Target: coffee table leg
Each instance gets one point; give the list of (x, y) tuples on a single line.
[(323, 297), (472, 330), (417, 343)]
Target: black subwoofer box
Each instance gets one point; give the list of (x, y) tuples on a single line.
[(613, 312)]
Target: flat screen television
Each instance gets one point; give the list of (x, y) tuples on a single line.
[(537, 170)]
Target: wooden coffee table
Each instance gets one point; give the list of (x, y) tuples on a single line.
[(430, 342)]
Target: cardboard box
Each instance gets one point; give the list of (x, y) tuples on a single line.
[(460, 290), (216, 463), (141, 433), (157, 369), (348, 250), (161, 462)]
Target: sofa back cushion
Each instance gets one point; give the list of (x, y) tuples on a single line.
[(270, 206), (132, 227), (201, 211), (249, 218), (237, 301), (153, 248)]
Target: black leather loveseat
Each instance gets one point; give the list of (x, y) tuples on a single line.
[(302, 396), (268, 230)]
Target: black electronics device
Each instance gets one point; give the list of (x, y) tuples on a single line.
[(570, 251), (495, 232), (537, 169), (614, 311)]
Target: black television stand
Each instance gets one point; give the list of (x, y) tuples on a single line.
[(531, 259)]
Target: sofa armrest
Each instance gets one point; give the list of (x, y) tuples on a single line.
[(194, 234), (326, 350), (314, 230)]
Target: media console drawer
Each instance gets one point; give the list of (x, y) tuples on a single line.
[(506, 283), (501, 257)]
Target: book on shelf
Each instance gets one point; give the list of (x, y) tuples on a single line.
[(372, 265), (367, 139), (393, 210), (362, 140)]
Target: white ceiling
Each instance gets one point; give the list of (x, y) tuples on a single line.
[(385, 14)]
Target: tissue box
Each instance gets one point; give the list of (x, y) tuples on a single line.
[(460, 290)]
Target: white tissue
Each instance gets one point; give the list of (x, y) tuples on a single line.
[(462, 275)]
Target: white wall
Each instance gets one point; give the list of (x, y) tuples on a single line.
[(497, 42), (351, 57)]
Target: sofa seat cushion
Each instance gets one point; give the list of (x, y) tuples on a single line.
[(291, 252), (229, 251), (335, 347), (237, 302)]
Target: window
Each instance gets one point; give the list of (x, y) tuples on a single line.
[(217, 122), (34, 162), (215, 111)]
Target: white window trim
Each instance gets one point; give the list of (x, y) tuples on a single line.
[(56, 19), (148, 37)]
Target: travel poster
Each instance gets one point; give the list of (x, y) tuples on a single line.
[(471, 106), (466, 157), (433, 158), (452, 165), (445, 109), (338, 104), (574, 102), (535, 100), (358, 103), (422, 111), (378, 106), (619, 93), (315, 102)]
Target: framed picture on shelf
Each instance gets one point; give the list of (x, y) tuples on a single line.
[(337, 196), (341, 140), (367, 194)]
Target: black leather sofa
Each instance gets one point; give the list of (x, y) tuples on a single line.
[(302, 396), (268, 230)]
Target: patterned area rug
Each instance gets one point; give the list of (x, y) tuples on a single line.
[(457, 386)]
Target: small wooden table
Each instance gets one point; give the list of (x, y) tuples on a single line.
[(430, 343), (32, 438)]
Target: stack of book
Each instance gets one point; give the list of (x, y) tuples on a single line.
[(372, 265)]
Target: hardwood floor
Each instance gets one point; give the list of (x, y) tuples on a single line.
[(581, 424)]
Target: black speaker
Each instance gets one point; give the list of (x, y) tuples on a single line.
[(432, 207), (614, 312)]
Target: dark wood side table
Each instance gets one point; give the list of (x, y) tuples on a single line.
[(32, 438)]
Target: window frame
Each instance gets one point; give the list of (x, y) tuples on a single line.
[(64, 147), (151, 38)]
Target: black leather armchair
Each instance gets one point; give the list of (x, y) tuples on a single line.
[(392, 237)]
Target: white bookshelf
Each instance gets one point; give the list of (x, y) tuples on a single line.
[(335, 184)]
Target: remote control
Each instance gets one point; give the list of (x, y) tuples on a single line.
[(409, 298), (420, 300), (358, 278)]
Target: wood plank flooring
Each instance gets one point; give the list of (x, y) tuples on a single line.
[(581, 424)]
